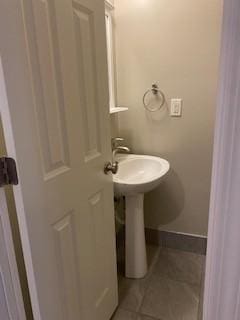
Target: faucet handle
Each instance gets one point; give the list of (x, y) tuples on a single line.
[(115, 141)]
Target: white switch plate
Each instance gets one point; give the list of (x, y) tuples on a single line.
[(176, 107)]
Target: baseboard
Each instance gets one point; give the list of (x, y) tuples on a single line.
[(179, 241)]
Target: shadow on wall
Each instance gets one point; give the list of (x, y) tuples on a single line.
[(141, 137), (168, 198)]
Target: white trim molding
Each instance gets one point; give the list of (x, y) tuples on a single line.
[(222, 283), (110, 54), (109, 4), (117, 109)]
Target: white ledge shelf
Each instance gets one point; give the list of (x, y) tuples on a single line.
[(118, 109)]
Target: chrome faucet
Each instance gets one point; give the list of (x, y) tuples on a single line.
[(118, 149), (113, 166)]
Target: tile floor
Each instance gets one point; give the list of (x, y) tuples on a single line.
[(172, 289)]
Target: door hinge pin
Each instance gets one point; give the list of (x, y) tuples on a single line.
[(8, 172)]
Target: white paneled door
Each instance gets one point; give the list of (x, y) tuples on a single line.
[(54, 108)]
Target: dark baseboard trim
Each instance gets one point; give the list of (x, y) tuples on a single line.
[(177, 241)]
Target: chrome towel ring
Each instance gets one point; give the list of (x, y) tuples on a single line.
[(157, 93)]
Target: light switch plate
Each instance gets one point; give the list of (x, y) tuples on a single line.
[(176, 107)]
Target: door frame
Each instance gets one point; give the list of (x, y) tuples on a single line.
[(224, 191), (10, 148), (222, 282), (12, 264)]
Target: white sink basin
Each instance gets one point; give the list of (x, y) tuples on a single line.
[(138, 173)]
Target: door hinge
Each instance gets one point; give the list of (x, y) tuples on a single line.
[(8, 172)]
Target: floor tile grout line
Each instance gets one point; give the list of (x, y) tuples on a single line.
[(145, 293), (155, 259), (149, 278), (198, 308), (201, 287), (147, 315), (183, 281), (177, 280), (138, 313)]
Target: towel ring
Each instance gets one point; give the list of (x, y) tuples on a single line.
[(155, 91)]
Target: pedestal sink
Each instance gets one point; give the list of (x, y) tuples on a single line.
[(137, 175)]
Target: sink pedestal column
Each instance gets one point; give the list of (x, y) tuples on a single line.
[(136, 258)]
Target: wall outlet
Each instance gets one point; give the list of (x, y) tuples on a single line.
[(176, 107)]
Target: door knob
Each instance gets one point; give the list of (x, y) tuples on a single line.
[(113, 167)]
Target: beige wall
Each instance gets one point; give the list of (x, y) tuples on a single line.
[(175, 43)]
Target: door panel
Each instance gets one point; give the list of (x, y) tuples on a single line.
[(48, 89), (85, 46), (66, 200), (66, 252), (96, 208)]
